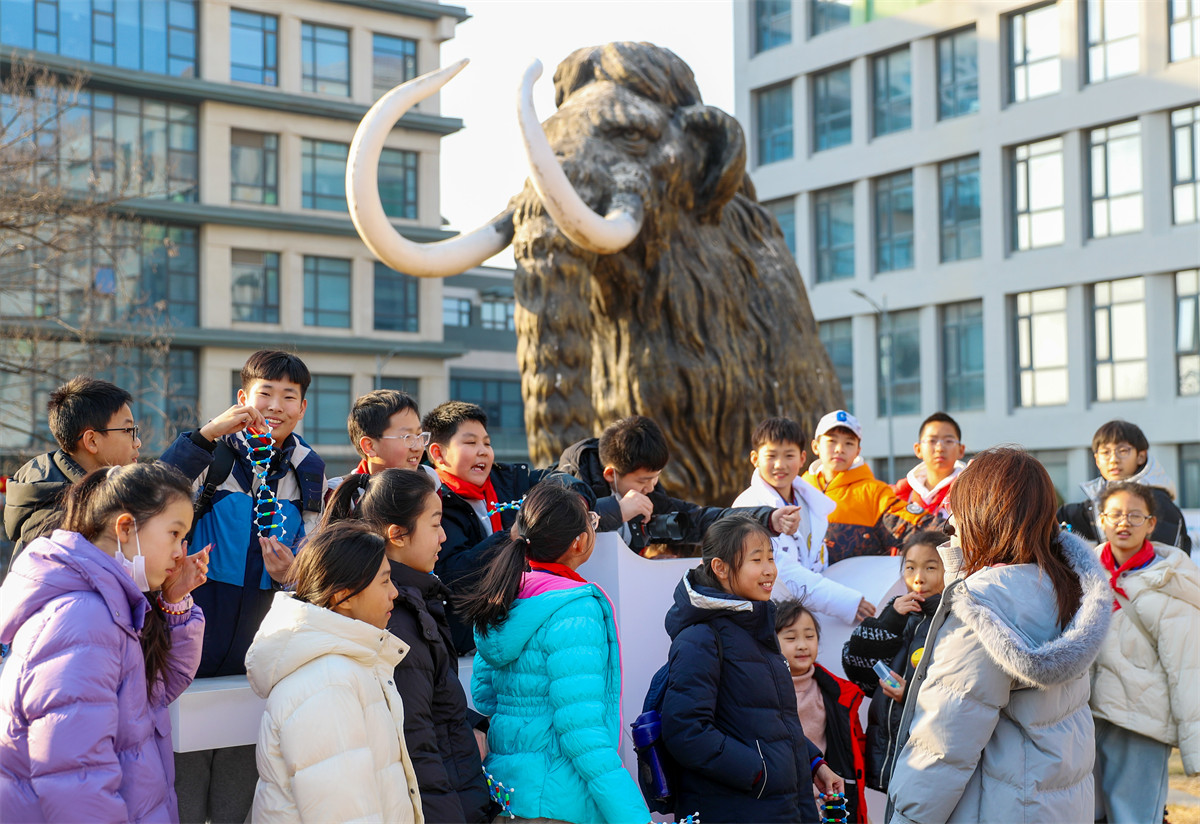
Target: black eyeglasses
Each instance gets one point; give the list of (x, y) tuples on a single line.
[(132, 430)]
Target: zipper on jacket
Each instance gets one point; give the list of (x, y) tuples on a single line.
[(763, 788), (884, 773)]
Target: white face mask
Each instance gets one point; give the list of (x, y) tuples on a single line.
[(137, 567)]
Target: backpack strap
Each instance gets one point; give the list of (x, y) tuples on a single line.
[(218, 471)]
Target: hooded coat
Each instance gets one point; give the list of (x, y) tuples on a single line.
[(331, 742), (82, 741), (549, 677), (996, 724), (730, 720), (1084, 517), (34, 493), (1149, 683), (440, 741)]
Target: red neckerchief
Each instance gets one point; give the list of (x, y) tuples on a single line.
[(1139, 559), (562, 570), (468, 490), (362, 468)]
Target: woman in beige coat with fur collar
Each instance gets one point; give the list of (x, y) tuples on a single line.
[(331, 743)]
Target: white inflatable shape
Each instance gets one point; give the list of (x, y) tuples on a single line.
[(214, 713)]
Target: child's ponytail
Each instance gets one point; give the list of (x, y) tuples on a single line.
[(344, 503), (551, 517)]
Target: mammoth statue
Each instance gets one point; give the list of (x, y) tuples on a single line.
[(648, 281)]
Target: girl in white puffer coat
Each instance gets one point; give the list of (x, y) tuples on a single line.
[(1144, 683)]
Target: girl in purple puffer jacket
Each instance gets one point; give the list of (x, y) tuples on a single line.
[(104, 636)]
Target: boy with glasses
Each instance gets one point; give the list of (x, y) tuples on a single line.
[(939, 446), (94, 426), (1121, 452), (385, 428)]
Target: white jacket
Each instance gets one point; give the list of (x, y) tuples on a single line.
[(998, 706), (800, 566), (1151, 685), (331, 743)]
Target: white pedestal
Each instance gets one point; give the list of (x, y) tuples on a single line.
[(214, 713)]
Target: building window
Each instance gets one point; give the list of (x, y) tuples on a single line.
[(1185, 29), (773, 110), (1185, 160), (962, 356), (326, 292), (827, 15), (323, 174), (831, 108), (902, 349), (1033, 40), (1037, 180), (1189, 476), (1112, 38), (395, 61), (1116, 179), (1056, 463), (960, 208), (325, 59), (456, 312), (833, 225), (254, 161), (1041, 337), (1119, 325), (397, 300), (958, 74), (328, 408), (1187, 331), (410, 386), (255, 286), (497, 315), (894, 222), (838, 338), (501, 400), (784, 211), (397, 183), (772, 24), (150, 37), (253, 47), (892, 90)]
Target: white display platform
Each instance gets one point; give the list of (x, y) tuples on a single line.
[(214, 713)]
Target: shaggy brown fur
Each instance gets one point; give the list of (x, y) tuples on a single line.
[(703, 323)]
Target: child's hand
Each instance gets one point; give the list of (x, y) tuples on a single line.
[(235, 419), (908, 602), (481, 742), (894, 694), (634, 504), (277, 558), (785, 520), (191, 572), (865, 610), (827, 781)]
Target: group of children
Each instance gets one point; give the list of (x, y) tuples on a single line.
[(506, 543)]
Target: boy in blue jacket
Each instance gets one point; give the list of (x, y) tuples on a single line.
[(252, 552)]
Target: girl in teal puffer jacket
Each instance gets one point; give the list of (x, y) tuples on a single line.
[(548, 670)]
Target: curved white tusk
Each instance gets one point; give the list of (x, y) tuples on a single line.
[(427, 260), (574, 218)]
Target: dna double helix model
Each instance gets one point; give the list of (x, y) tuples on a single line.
[(268, 512), (833, 809)]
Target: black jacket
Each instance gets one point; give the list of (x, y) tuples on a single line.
[(33, 495), (731, 723), (894, 639), (582, 460), (1169, 529), (467, 549), (439, 738)]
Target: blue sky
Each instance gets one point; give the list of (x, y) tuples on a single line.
[(484, 164)]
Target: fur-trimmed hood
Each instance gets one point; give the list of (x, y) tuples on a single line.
[(1013, 626)]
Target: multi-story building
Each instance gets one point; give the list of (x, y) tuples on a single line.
[(229, 123), (1018, 185)]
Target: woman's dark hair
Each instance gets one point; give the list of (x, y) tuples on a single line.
[(346, 555), (393, 496), (1140, 490), (143, 491), (1004, 507), (925, 537), (726, 539), (788, 612), (551, 517)]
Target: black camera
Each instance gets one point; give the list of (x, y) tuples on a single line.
[(660, 529)]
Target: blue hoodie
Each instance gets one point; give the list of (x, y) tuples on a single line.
[(549, 677)]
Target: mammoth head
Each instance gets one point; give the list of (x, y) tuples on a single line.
[(631, 141)]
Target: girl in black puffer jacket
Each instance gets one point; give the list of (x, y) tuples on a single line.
[(729, 708), (897, 637), (404, 506)]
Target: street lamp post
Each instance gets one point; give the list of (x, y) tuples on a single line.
[(886, 321), (381, 361)]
